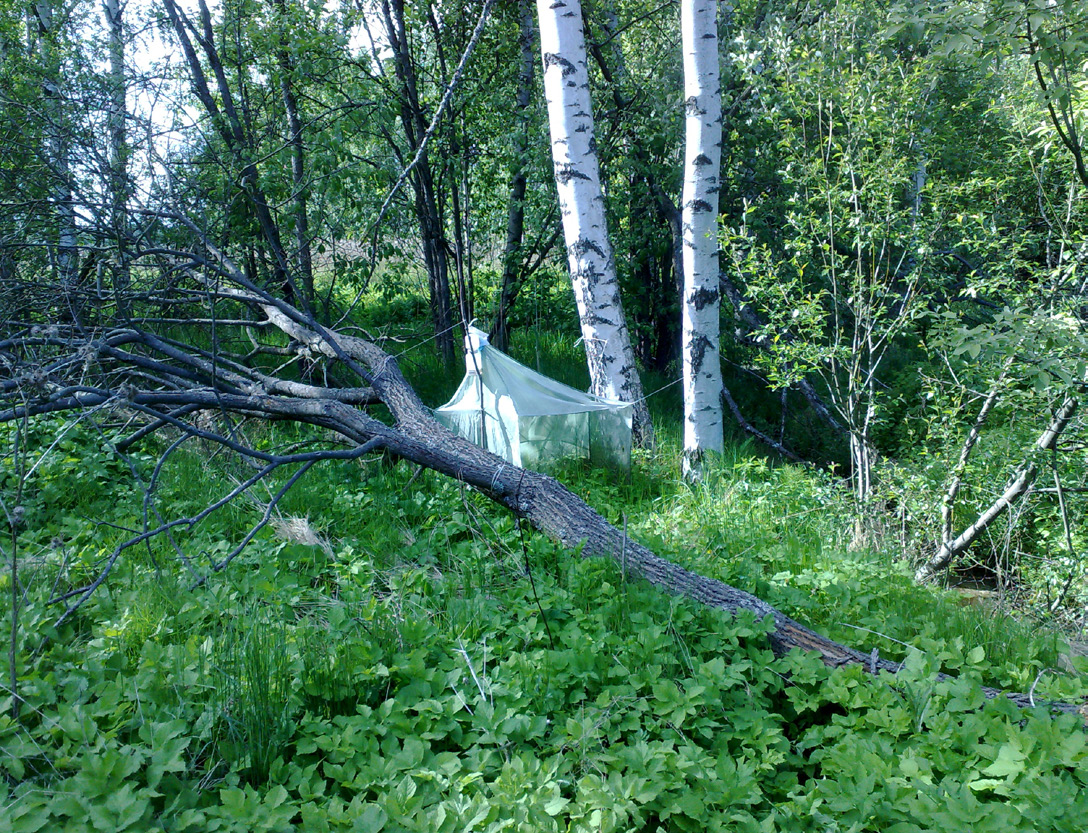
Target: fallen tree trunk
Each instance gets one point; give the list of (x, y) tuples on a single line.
[(138, 370)]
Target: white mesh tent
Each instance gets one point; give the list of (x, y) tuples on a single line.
[(527, 418)]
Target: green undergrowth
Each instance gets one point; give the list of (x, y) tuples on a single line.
[(402, 656)]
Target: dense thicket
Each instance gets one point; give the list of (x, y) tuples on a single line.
[(204, 205)]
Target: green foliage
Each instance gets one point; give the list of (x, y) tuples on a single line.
[(252, 679), (409, 676)]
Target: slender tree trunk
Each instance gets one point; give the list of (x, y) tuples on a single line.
[(435, 258), (515, 212), (225, 116), (702, 160), (607, 341), (464, 298), (428, 214), (118, 173), (660, 291), (466, 248), (948, 504), (66, 255), (298, 160)]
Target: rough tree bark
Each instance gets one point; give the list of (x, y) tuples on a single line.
[(611, 358), (135, 370), (702, 160)]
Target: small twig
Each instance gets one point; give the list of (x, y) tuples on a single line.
[(1068, 532), (14, 518), (261, 524), (415, 476), (124, 444), (532, 584), (479, 685), (623, 550), (1035, 682), (308, 459), (878, 633)]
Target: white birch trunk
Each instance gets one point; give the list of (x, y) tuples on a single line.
[(611, 358), (702, 160)]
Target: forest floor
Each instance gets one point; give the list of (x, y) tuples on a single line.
[(396, 653)]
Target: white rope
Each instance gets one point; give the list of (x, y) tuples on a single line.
[(655, 392)]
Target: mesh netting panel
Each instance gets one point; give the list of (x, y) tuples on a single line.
[(528, 419)]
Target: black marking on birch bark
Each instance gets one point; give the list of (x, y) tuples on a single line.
[(699, 347), (708, 36), (552, 59), (586, 278), (595, 319), (698, 206), (703, 297), (582, 245), (701, 159), (599, 357), (565, 172)]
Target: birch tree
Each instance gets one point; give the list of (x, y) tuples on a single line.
[(702, 160), (592, 264)]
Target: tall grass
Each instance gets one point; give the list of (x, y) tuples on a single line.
[(255, 697)]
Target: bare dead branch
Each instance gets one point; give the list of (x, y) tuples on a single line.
[(1020, 484), (766, 439)]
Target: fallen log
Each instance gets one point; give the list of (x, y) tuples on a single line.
[(172, 384)]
